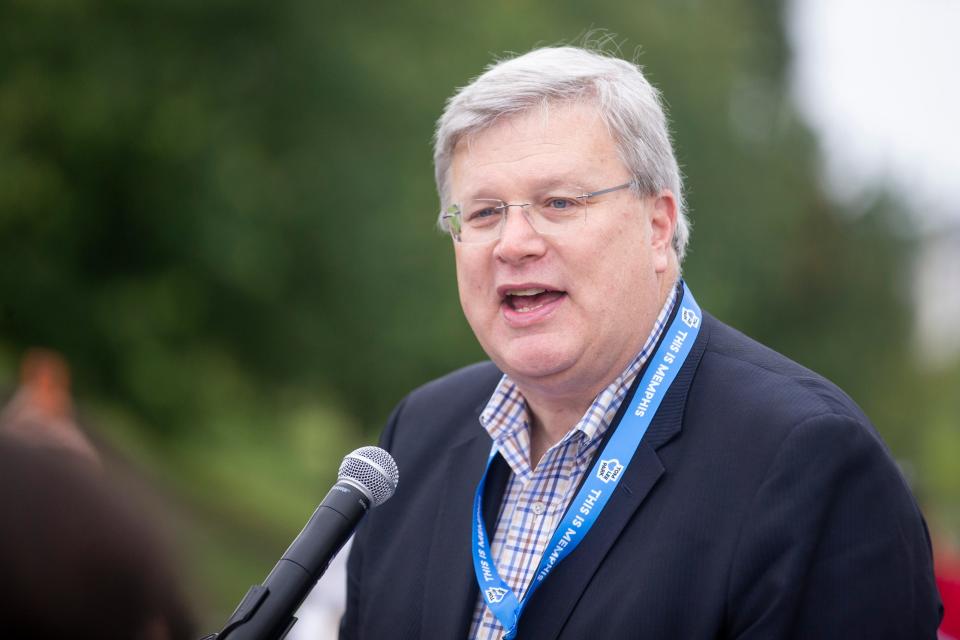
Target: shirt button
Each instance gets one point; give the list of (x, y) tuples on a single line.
[(539, 508)]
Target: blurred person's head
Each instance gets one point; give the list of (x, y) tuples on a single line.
[(79, 559)]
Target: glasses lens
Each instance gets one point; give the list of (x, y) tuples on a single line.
[(559, 213), (480, 220)]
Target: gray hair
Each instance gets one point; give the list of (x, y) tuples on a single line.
[(629, 105)]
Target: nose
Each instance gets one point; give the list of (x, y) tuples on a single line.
[(519, 242)]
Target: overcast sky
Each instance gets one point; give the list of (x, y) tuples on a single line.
[(877, 80)]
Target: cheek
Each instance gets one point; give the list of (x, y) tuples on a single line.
[(623, 272), (470, 283)]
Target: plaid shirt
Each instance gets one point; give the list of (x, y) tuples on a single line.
[(535, 499)]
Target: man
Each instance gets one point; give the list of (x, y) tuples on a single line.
[(627, 465)]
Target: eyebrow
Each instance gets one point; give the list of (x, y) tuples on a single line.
[(540, 187)]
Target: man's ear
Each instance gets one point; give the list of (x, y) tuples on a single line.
[(663, 223)]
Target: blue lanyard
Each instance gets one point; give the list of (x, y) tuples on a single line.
[(603, 477)]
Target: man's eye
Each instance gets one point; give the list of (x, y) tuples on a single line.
[(557, 203), (483, 215)]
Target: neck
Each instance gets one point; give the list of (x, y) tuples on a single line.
[(549, 423), (554, 412)]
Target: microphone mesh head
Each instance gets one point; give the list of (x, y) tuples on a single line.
[(374, 469)]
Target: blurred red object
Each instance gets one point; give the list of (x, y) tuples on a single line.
[(946, 561), (950, 594), (41, 410)]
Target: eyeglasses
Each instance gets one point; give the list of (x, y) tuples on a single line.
[(481, 220)]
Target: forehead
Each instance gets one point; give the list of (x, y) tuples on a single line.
[(567, 143)]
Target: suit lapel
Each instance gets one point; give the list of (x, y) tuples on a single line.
[(551, 605), (451, 592)]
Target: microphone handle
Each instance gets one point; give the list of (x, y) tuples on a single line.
[(266, 611)]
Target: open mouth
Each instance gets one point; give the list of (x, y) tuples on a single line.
[(529, 300)]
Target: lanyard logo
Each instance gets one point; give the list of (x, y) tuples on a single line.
[(690, 318), (609, 470), (495, 594)]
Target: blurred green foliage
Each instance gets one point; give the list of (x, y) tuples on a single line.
[(222, 214)]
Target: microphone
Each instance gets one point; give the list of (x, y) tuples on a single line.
[(367, 478)]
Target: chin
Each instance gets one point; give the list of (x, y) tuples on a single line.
[(533, 355), (530, 364)]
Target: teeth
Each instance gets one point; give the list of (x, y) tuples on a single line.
[(528, 309), (525, 292)]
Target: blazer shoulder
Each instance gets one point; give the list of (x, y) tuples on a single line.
[(751, 369)]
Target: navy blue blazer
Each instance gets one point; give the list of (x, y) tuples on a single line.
[(761, 504)]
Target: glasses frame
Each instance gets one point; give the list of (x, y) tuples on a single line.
[(454, 212)]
